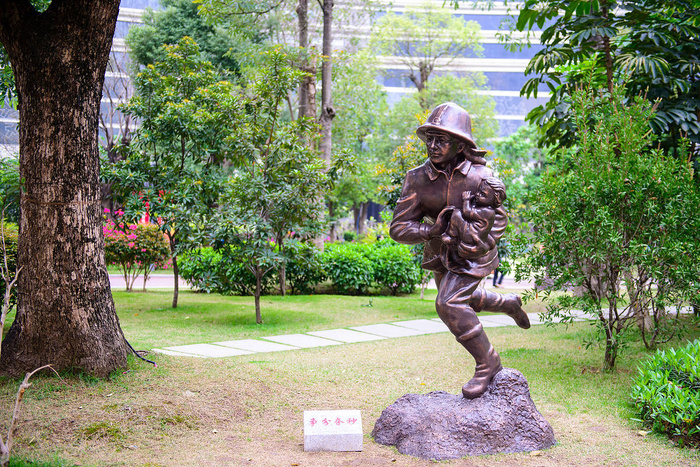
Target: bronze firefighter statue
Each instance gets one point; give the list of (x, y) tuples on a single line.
[(453, 203)]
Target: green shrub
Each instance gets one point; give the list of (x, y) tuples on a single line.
[(198, 267), (210, 270), (667, 393), (10, 235), (393, 267), (349, 236), (304, 267), (348, 267)]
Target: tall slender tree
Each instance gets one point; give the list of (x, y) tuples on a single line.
[(65, 313)]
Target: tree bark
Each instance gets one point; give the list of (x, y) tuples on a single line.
[(65, 313), (176, 282), (327, 111), (303, 19), (258, 293)]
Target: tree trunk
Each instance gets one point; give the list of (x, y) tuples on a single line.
[(332, 235), (258, 292), (303, 19), (327, 111), (360, 214), (176, 282), (283, 268), (65, 313)]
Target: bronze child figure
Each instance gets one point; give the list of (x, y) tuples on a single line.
[(423, 213), (474, 222)]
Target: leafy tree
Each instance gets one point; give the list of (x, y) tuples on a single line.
[(520, 163), (178, 19), (425, 38), (613, 212), (275, 195), (650, 45), (65, 313), (360, 103), (172, 170)]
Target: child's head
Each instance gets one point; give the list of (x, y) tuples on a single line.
[(492, 192)]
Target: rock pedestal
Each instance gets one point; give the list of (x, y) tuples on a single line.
[(443, 426)]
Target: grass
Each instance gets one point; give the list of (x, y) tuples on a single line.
[(248, 410), (148, 320)]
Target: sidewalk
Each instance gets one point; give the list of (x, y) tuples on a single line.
[(155, 281), (340, 336), (372, 332), (316, 338)]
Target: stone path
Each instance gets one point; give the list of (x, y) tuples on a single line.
[(372, 332)]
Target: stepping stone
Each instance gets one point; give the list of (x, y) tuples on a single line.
[(426, 326), (253, 345), (346, 335), (387, 330), (177, 354), (208, 350), (303, 341)]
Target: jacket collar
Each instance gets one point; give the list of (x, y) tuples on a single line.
[(434, 172)]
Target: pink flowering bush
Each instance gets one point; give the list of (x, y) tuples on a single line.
[(135, 249)]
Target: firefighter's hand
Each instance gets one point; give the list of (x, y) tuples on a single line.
[(442, 222)]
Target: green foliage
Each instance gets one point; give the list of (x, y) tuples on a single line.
[(667, 393), (210, 270), (20, 462), (10, 188), (304, 267), (349, 267), (355, 267), (9, 236), (611, 212), (7, 81), (420, 37), (167, 26), (172, 169), (409, 155), (650, 45), (200, 267), (394, 268), (278, 193)]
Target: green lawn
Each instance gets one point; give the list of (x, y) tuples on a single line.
[(149, 321), (248, 410)]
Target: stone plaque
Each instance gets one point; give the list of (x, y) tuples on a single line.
[(332, 430)]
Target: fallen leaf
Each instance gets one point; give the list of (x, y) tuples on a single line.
[(643, 433)]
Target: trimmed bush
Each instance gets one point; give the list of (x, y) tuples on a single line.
[(667, 393), (210, 270), (348, 267), (394, 267), (304, 267), (10, 233)]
